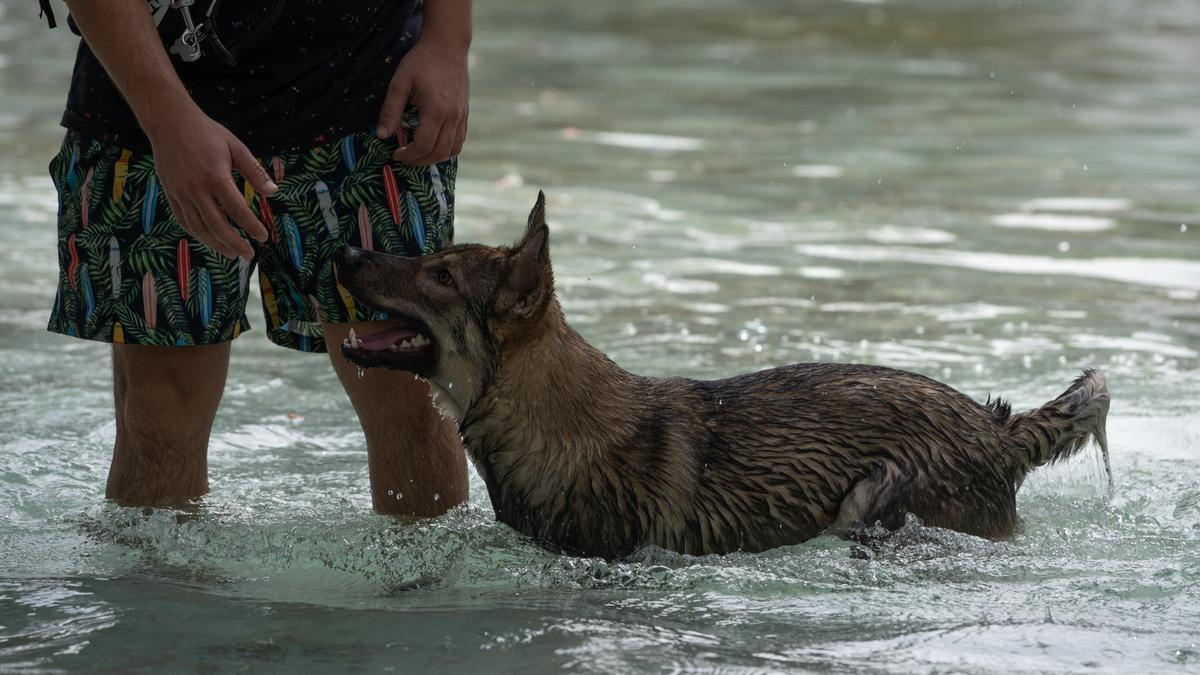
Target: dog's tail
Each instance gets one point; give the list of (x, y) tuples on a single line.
[(1062, 427)]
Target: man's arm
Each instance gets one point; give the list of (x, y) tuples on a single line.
[(432, 76), (193, 155)]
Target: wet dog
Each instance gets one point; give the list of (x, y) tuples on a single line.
[(591, 459)]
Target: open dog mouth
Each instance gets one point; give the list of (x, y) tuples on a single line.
[(402, 347)]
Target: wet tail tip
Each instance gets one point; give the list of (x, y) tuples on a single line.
[(1089, 386), (1093, 375)]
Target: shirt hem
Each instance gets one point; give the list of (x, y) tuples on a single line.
[(135, 139)]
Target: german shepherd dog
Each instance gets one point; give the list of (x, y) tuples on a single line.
[(591, 459)]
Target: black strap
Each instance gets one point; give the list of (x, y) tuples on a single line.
[(48, 12), (229, 54)]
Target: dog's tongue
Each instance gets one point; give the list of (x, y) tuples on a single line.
[(385, 338)]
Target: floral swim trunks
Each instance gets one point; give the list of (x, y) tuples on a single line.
[(128, 273)]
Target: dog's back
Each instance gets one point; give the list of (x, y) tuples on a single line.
[(784, 454)]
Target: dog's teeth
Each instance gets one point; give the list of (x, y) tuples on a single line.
[(406, 343), (346, 342), (393, 348), (353, 339), (420, 341)]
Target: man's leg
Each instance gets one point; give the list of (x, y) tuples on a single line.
[(414, 456), (166, 399)]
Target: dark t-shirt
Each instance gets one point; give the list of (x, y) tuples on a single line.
[(318, 71)]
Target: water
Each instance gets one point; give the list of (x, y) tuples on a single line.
[(993, 193)]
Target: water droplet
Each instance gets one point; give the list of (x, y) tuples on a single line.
[(1182, 227), (1064, 246), (391, 492), (437, 497), (361, 373)]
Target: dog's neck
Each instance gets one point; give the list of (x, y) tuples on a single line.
[(556, 408), (553, 383)]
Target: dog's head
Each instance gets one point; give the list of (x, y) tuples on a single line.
[(460, 306)]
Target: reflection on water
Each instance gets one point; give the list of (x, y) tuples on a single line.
[(992, 193)]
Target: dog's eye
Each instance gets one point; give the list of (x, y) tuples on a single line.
[(443, 277)]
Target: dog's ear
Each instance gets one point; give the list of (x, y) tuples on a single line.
[(529, 280), (537, 216)]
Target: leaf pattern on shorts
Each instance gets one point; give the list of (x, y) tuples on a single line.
[(130, 225)]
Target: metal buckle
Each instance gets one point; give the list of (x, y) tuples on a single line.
[(187, 45)]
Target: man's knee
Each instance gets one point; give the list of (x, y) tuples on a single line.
[(169, 388)]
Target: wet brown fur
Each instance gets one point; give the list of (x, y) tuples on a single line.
[(591, 459)]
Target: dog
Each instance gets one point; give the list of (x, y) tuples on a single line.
[(590, 459)]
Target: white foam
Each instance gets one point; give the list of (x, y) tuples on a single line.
[(1054, 221), (1132, 344), (643, 141), (1077, 204), (890, 234), (680, 286), (976, 311), (1157, 272), (822, 272), (817, 171), (862, 306), (697, 265)]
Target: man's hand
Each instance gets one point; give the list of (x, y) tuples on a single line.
[(194, 157), (432, 77)]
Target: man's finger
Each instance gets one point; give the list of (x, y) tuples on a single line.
[(199, 231), (459, 139), (177, 213), (216, 223), (251, 170), (444, 147), (393, 106), (235, 206), (441, 147), (423, 144)]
